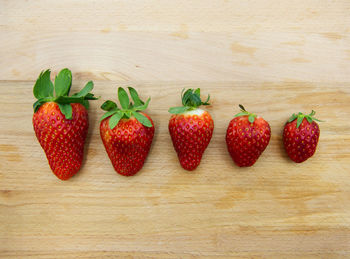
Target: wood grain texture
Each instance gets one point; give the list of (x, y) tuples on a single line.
[(276, 57), (177, 40), (275, 208)]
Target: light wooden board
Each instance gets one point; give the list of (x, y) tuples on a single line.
[(276, 207), (201, 40), (275, 57)]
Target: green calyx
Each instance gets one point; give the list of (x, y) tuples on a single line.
[(45, 91), (251, 116), (191, 100), (300, 117), (128, 109)]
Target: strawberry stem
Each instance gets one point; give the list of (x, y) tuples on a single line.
[(300, 117), (191, 100), (128, 110), (45, 91), (251, 116)]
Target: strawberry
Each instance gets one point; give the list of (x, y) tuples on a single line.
[(300, 136), (61, 122), (127, 133), (247, 137), (190, 129)]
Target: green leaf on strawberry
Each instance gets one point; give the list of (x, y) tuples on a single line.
[(37, 104), (299, 120), (86, 90), (178, 110), (143, 106), (109, 113), (191, 100), (109, 105), (123, 98), (135, 97), (43, 86), (142, 119), (45, 91), (128, 109), (292, 118), (113, 121), (63, 82), (300, 117), (66, 109), (251, 116)]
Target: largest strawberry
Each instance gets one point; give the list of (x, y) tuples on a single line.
[(127, 132), (61, 121), (191, 129)]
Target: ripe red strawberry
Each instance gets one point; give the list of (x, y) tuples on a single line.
[(190, 129), (247, 137), (61, 122), (300, 136), (127, 133)]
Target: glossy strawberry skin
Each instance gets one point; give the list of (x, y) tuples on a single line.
[(300, 143), (246, 141), (62, 140), (128, 144), (191, 135)]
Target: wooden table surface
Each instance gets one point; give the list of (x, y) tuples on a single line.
[(275, 57)]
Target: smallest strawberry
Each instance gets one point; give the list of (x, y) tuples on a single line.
[(300, 136)]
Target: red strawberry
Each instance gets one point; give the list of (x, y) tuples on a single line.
[(247, 137), (61, 122), (300, 136), (190, 129), (127, 133)]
